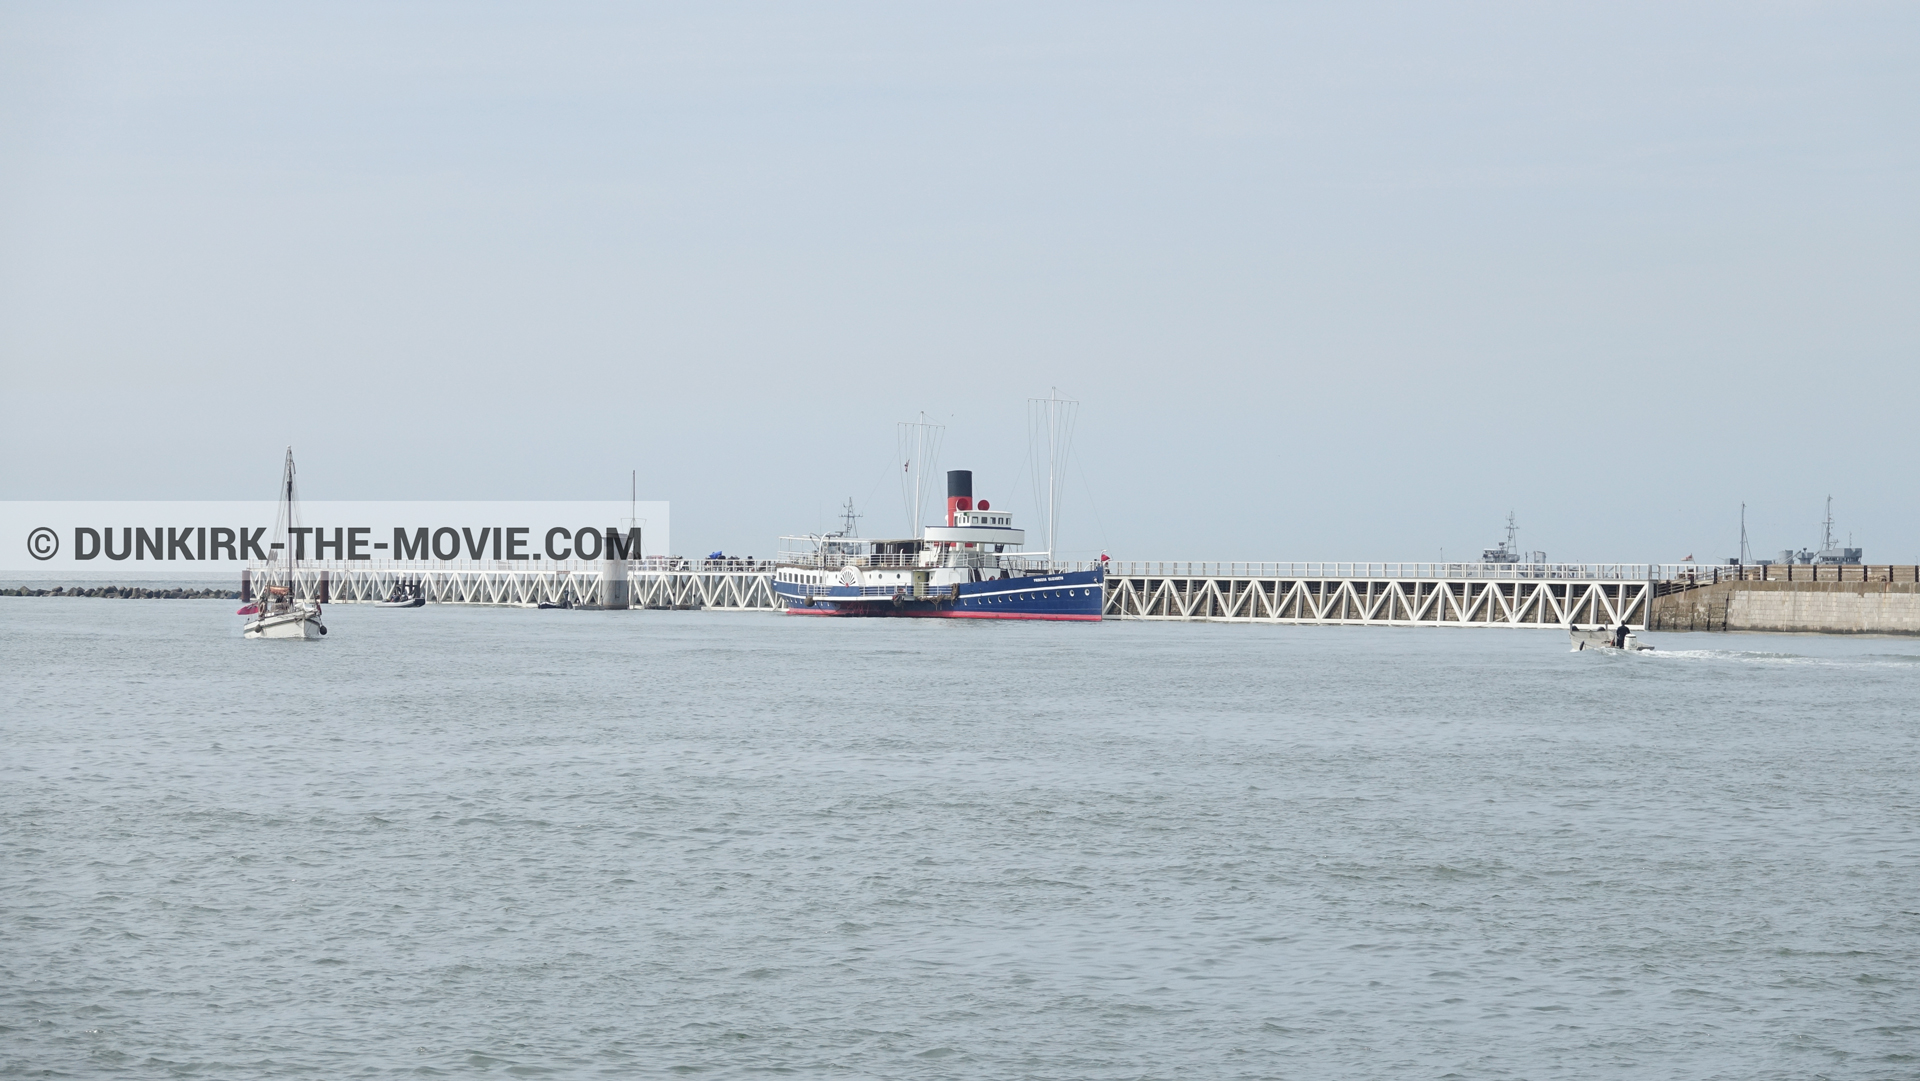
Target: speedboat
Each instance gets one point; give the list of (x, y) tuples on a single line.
[(1602, 638)]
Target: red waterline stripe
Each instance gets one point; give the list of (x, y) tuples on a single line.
[(997, 615)]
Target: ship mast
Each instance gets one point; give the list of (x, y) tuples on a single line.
[(919, 443)]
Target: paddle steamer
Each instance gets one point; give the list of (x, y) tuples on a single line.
[(969, 568)]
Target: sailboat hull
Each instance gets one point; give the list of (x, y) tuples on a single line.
[(302, 624)]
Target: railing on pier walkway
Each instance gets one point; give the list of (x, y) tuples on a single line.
[(1711, 575), (833, 561), (649, 565), (1500, 571)]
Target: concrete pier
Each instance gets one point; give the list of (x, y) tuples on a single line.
[(1848, 600), (1367, 594), (615, 584), (1662, 597)]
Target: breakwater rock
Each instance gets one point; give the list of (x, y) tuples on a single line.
[(132, 592)]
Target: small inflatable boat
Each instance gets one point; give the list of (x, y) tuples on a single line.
[(407, 593)]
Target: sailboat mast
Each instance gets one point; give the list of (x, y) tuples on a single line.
[(287, 506)]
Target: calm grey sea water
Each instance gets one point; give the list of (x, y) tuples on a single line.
[(461, 841)]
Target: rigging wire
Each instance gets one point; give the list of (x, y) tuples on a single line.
[(1091, 505), (1050, 420)]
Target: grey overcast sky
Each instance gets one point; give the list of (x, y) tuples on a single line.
[(1332, 281)]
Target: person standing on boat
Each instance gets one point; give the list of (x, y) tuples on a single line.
[(1620, 636)]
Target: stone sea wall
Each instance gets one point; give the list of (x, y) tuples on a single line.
[(1806, 607)]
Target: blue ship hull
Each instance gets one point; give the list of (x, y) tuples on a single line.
[(1075, 596)]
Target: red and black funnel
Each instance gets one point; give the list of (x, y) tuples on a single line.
[(959, 491)]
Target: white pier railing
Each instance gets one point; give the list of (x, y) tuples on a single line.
[(1383, 594), (1613, 572), (715, 585)]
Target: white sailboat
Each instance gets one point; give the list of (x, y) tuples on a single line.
[(279, 612)]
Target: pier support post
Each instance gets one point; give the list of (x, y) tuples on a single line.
[(614, 592)]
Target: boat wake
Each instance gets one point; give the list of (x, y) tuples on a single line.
[(1743, 656)]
